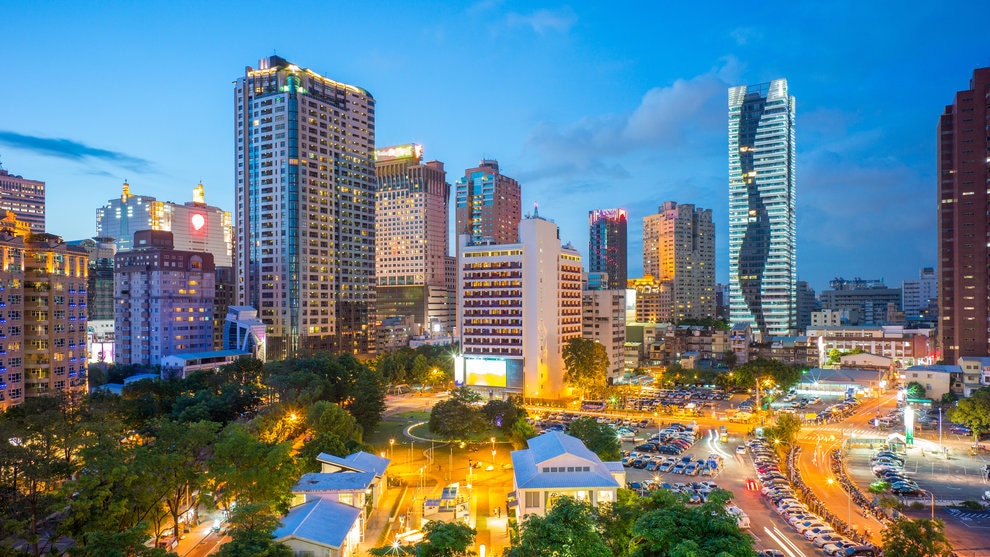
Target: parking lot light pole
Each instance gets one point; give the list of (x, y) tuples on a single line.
[(932, 494)]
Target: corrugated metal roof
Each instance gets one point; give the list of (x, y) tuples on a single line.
[(333, 481), (320, 521)]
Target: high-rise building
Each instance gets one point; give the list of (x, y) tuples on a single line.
[(918, 295), (519, 304), (679, 250), (762, 224), (195, 225), (305, 171), (807, 303), (963, 227), (603, 319), (164, 300), (652, 299), (488, 205), (25, 198), (411, 240), (100, 289), (607, 245), (42, 314)]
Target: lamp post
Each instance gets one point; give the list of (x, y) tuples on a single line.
[(493, 452), (849, 518), (391, 449), (932, 494)]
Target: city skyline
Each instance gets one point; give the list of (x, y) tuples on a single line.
[(609, 116)]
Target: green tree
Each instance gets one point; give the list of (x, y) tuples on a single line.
[(916, 538), (915, 390), (503, 414), (567, 530), (246, 470), (974, 412), (666, 526), (585, 365), (766, 371), (420, 369), (614, 521), (367, 403), (251, 528), (786, 429), (178, 452), (446, 539), (455, 419), (600, 439)]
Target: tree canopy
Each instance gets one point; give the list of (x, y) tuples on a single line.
[(585, 364), (916, 538), (600, 439), (974, 412)]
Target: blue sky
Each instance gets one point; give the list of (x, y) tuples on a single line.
[(588, 104)]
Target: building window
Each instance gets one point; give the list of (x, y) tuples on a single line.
[(532, 499)]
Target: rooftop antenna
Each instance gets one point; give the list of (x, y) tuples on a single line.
[(536, 210)]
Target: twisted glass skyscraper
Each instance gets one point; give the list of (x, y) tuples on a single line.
[(762, 231)]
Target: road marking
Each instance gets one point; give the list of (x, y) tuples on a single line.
[(789, 542)]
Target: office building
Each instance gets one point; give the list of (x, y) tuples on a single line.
[(225, 296), (100, 289), (244, 331), (807, 303), (919, 298), (603, 319), (607, 245), (652, 299), (679, 250), (195, 226), (867, 298), (762, 224), (164, 300), (411, 240), (305, 193), (488, 205), (25, 198), (963, 227), (519, 304)]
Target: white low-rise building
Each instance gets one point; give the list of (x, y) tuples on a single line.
[(557, 465)]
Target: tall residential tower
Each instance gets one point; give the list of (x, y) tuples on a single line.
[(411, 240), (762, 225), (607, 245), (305, 170), (489, 205), (25, 198), (963, 226), (679, 251)]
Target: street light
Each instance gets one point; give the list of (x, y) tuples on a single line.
[(391, 449), (849, 519), (932, 494)]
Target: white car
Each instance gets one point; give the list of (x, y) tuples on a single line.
[(741, 449), (813, 533), (822, 541)]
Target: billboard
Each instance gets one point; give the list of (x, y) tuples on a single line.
[(485, 372)]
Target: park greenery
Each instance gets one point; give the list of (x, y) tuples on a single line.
[(599, 438), (660, 524), (463, 417), (105, 473)]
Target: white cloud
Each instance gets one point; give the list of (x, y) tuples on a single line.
[(542, 21)]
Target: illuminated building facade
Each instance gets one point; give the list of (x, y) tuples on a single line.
[(195, 226), (488, 205), (43, 314), (679, 251), (603, 318), (304, 148), (518, 304), (963, 225), (164, 300), (25, 198), (607, 245), (652, 299), (411, 240), (762, 224)]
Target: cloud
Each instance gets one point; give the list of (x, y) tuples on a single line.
[(543, 21), (72, 150), (743, 35), (686, 118)]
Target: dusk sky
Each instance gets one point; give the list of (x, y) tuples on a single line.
[(588, 104)]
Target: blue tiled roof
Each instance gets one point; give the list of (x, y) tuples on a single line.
[(526, 464), (322, 482), (321, 521), (359, 462)]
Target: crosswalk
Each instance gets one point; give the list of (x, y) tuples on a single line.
[(958, 513)]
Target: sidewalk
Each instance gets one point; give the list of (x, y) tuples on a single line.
[(197, 534)]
